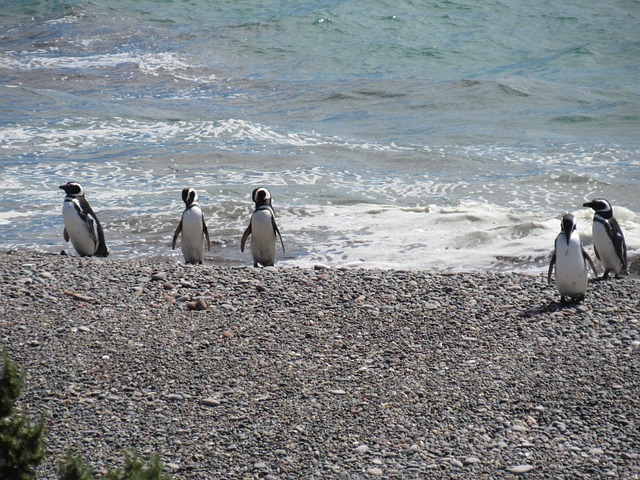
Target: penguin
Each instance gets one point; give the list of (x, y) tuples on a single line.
[(262, 226), (193, 227), (608, 240), (81, 225), (570, 259)]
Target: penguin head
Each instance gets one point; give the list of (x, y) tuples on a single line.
[(73, 189), (568, 225), (189, 196), (601, 206), (261, 196)]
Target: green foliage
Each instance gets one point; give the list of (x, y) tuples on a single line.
[(72, 468), (134, 469), (21, 440), (10, 386)]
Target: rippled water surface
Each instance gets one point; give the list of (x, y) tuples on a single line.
[(451, 135)]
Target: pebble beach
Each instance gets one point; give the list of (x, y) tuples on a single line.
[(310, 373)]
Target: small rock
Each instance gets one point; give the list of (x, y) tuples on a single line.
[(596, 451), (159, 276), (338, 392), (167, 286), (210, 402), (374, 471), (518, 469), (175, 397), (361, 449), (199, 304), (471, 460), (320, 266), (84, 329)]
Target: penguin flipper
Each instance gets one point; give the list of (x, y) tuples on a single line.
[(596, 252), (587, 257), (93, 225), (619, 243), (245, 235), (206, 234), (65, 235), (551, 264), (102, 250), (275, 230), (175, 235)]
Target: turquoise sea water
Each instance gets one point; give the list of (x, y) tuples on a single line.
[(448, 135)]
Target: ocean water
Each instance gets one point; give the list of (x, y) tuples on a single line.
[(448, 135)]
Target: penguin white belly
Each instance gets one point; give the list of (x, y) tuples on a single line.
[(263, 238), (571, 268), (78, 230), (606, 249), (192, 242)]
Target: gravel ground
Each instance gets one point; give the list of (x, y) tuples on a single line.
[(325, 373)]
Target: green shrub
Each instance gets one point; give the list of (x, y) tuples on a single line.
[(72, 468), (134, 469), (22, 446)]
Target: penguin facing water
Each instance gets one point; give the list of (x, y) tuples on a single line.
[(263, 230), (608, 240), (570, 259), (193, 229), (81, 225)]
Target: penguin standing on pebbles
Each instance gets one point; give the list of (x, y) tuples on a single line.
[(263, 230), (608, 239), (193, 228), (81, 225), (570, 259)]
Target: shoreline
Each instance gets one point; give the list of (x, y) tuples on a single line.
[(328, 373)]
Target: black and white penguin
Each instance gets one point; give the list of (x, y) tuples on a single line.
[(193, 228), (608, 239), (81, 225), (263, 230), (570, 259)]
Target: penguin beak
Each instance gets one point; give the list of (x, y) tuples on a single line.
[(588, 204)]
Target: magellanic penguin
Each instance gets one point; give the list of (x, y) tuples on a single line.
[(81, 225), (193, 228), (263, 229), (570, 259), (608, 239)]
